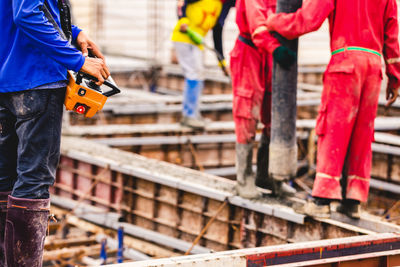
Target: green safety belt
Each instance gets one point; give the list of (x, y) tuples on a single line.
[(355, 48)]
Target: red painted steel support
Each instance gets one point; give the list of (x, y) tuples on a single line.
[(334, 253)]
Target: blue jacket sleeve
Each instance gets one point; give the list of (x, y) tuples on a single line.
[(31, 20), (75, 32)]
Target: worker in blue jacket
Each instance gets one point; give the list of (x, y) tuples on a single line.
[(34, 59)]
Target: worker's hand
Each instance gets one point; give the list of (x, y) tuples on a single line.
[(183, 28), (86, 44), (391, 95), (96, 68), (284, 57)]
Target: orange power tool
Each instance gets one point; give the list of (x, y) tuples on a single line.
[(83, 96)]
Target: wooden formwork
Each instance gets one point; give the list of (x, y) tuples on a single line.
[(215, 147), (214, 152), (178, 202)]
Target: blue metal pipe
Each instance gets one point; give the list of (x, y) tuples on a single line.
[(120, 256), (103, 252)]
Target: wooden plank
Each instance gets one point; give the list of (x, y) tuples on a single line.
[(66, 253), (63, 243)]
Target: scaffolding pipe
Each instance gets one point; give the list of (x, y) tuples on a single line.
[(283, 147)]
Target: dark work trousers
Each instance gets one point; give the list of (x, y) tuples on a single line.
[(30, 134)]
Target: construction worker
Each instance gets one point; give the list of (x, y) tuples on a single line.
[(361, 31), (34, 60), (251, 69), (196, 18)]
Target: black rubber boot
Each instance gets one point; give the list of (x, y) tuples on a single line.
[(351, 208), (3, 215), (26, 226), (263, 180)]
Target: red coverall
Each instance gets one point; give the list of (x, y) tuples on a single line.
[(360, 31), (251, 69)]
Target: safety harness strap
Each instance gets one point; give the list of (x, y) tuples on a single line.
[(65, 32), (247, 41)]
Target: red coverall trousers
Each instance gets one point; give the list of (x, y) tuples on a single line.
[(360, 30), (251, 69), (345, 124), (251, 83)]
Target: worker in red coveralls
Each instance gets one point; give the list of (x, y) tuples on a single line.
[(251, 69), (361, 31)]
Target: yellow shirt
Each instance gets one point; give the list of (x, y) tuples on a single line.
[(201, 16)]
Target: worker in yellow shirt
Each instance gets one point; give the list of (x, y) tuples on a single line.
[(196, 18)]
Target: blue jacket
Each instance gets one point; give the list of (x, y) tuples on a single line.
[(32, 52)]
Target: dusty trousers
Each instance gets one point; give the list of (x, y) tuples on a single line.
[(345, 124), (30, 133), (251, 83)]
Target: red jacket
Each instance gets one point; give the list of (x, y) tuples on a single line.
[(369, 24), (251, 16)]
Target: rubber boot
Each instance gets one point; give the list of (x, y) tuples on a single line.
[(26, 226), (263, 179), (318, 207), (3, 215), (314, 210), (246, 181), (193, 122), (351, 208)]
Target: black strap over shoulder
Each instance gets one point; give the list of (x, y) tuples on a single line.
[(65, 19)]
